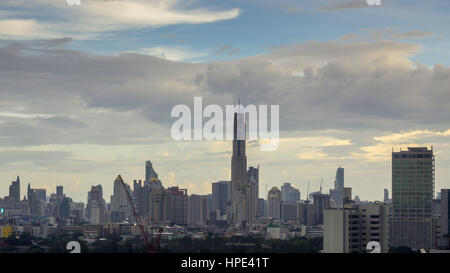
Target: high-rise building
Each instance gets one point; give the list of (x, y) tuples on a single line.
[(336, 193), (321, 202), (412, 198), (220, 196), (169, 205), (339, 180), (59, 192), (96, 205), (350, 229), (139, 197), (274, 203), (198, 210), (64, 208), (120, 206), (289, 211), (445, 212), (289, 193), (261, 208), (242, 192), (305, 213), (31, 197), (253, 184), (178, 206), (41, 194), (151, 177), (14, 190)]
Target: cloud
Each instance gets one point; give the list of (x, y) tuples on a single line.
[(352, 4), (173, 53), (93, 18), (340, 102), (227, 49)]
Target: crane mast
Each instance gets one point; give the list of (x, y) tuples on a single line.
[(149, 244)]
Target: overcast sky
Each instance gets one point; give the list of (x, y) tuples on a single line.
[(86, 91)]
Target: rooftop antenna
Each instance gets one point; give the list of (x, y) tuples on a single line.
[(321, 181)]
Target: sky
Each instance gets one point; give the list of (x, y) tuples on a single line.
[(86, 91)]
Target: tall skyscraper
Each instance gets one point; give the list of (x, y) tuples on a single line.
[(220, 196), (14, 190), (412, 197), (120, 206), (241, 191), (339, 181), (336, 193), (150, 173), (274, 203)]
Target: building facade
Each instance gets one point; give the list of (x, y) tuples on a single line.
[(412, 198)]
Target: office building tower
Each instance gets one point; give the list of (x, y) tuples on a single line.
[(64, 208), (350, 229), (220, 196), (31, 198), (41, 194), (139, 197), (77, 212), (242, 192), (339, 180), (321, 202), (158, 207), (253, 184), (289, 193), (151, 177), (386, 196), (198, 210), (261, 208), (274, 203), (59, 192), (178, 206), (305, 213), (120, 206), (445, 213), (336, 193), (347, 196), (14, 190), (96, 206), (412, 198), (289, 211)]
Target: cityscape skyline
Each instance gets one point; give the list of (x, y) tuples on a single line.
[(86, 91)]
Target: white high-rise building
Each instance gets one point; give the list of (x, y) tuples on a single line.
[(350, 229)]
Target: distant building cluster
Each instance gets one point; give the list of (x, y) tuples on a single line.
[(412, 218)]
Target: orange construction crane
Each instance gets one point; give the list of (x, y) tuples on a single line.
[(150, 246)]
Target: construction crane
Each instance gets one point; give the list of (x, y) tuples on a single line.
[(150, 246)]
